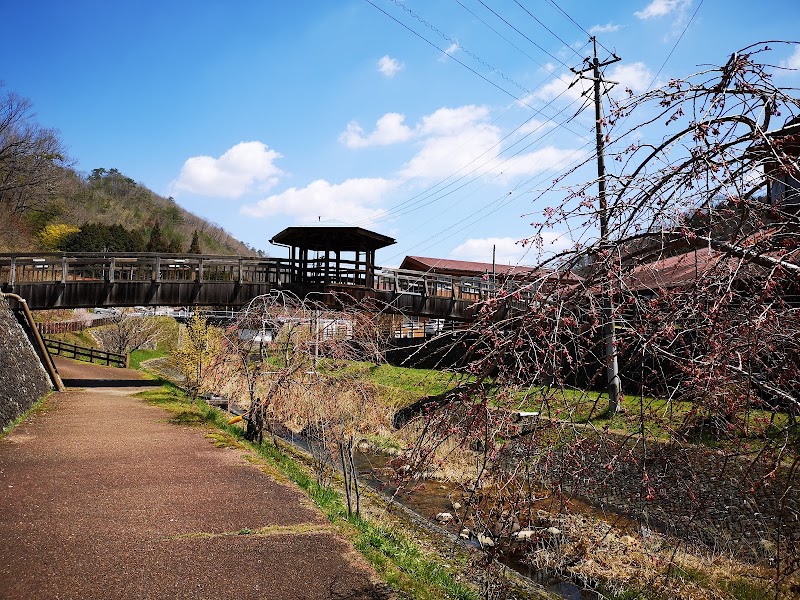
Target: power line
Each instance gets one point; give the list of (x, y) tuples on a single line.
[(574, 22), (466, 66), (498, 204), (416, 201), (420, 203), (430, 43), (552, 72), (553, 33), (504, 20), (459, 46), (678, 41)]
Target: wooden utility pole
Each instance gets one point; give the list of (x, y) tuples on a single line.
[(609, 333)]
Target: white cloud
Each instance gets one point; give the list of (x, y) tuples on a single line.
[(635, 76), (448, 121), (508, 250), (535, 125), (607, 28), (389, 129), (245, 168), (793, 62), (449, 51), (554, 242), (451, 138), (661, 8), (350, 201), (544, 159), (389, 66)]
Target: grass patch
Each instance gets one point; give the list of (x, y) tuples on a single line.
[(659, 418), (687, 573), (397, 559), (76, 338), (743, 589), (400, 386), (137, 357)]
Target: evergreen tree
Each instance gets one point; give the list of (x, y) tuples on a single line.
[(194, 247), (157, 243)]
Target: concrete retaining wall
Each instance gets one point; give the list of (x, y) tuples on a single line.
[(23, 380)]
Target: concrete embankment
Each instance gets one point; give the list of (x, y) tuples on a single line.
[(23, 380)]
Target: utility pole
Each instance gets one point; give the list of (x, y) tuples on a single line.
[(609, 333)]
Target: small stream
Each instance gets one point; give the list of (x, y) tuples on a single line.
[(434, 497)]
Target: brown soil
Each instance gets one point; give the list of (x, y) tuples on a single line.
[(102, 498)]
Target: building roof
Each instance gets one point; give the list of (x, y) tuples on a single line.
[(673, 271), (448, 266), (347, 239), (685, 269)]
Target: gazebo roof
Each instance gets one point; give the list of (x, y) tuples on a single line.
[(347, 239)]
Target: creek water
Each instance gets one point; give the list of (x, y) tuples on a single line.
[(433, 497)]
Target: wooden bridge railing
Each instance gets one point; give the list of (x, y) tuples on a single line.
[(469, 289), (148, 268), (86, 354)]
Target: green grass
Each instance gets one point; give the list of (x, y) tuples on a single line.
[(397, 386), (77, 338), (742, 589), (657, 417), (139, 356), (396, 558), (400, 386)]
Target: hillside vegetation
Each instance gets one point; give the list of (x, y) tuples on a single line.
[(47, 205)]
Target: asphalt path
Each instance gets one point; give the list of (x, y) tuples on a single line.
[(101, 497)]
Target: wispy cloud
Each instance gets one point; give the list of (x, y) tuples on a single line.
[(388, 66), (510, 251), (350, 201), (450, 140), (245, 168), (449, 51), (793, 62), (662, 8), (607, 28)]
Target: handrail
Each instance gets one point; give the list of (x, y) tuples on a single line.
[(157, 269), (110, 358)]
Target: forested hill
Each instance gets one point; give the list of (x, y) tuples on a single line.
[(105, 210), (46, 205)]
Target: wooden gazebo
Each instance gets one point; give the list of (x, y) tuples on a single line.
[(341, 255)]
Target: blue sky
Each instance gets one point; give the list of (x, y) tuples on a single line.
[(260, 115)]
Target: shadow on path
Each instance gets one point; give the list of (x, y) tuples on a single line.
[(110, 383)]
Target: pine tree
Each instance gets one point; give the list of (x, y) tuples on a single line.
[(157, 242), (194, 247)]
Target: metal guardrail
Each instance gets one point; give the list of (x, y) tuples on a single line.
[(86, 354)]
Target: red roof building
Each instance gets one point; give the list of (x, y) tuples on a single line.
[(467, 268)]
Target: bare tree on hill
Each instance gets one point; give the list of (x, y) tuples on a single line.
[(32, 157)]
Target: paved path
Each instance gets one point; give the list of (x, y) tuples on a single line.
[(100, 497)]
